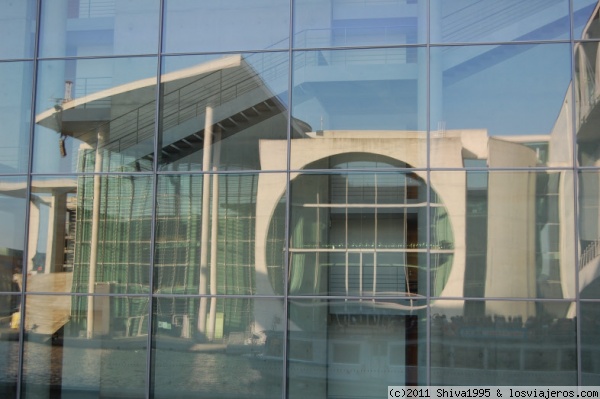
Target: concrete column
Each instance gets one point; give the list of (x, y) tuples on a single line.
[(94, 239), (55, 247), (212, 315), (584, 94), (34, 231), (205, 221)]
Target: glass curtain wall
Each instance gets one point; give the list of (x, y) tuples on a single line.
[(297, 198)]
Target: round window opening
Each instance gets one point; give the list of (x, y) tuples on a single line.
[(360, 229)]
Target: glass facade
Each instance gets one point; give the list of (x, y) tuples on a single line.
[(297, 198)]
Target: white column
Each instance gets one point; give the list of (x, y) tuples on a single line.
[(55, 244), (212, 315), (94, 238), (206, 162), (34, 230)]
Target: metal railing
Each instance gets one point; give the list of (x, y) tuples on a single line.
[(481, 18), (217, 88), (96, 8), (190, 101), (87, 86), (591, 252)]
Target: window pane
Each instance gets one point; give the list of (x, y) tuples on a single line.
[(359, 101), (503, 343), (503, 103), (15, 112), (229, 241), (358, 234), (585, 16), (10, 319), (95, 115), (589, 242), (101, 353), (12, 213), (239, 354), (587, 94), (514, 240), (224, 112), (321, 23), (354, 349), (590, 339), (499, 21), (17, 28), (192, 26), (90, 234), (91, 27)]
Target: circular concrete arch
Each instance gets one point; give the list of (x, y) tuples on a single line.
[(397, 151), (450, 188)]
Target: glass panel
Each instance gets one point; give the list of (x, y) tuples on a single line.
[(360, 101), (220, 234), (15, 113), (585, 16), (98, 27), (319, 23), (13, 191), (513, 234), (358, 234), (17, 28), (234, 105), (354, 349), (72, 352), (95, 115), (590, 341), (239, 354), (587, 94), (200, 26), (503, 343), (90, 234), (589, 234), (498, 21), (10, 319), (503, 104)]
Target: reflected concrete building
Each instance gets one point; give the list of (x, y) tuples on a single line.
[(400, 192)]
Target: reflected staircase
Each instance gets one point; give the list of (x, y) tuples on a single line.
[(240, 100)]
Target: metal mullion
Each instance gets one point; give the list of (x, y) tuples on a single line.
[(93, 57), (287, 222), (428, 197), (155, 165), (23, 304), (574, 168)]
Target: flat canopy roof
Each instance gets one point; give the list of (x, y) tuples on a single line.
[(75, 118)]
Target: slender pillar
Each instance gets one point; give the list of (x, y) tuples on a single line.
[(584, 95), (34, 230), (212, 315), (206, 162), (94, 238), (55, 246)]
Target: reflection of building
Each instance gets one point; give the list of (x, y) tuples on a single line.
[(388, 217), (351, 235), (402, 192)]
